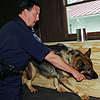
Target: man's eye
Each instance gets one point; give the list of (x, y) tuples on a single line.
[(35, 14)]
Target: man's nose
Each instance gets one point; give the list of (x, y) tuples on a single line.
[(37, 18)]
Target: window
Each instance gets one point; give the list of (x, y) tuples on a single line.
[(82, 14)]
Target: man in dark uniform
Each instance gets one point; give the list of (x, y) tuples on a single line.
[(18, 43)]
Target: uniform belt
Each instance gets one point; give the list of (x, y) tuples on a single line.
[(14, 73)]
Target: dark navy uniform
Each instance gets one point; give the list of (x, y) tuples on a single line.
[(18, 44)]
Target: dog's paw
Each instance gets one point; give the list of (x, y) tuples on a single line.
[(85, 97), (33, 90), (61, 89)]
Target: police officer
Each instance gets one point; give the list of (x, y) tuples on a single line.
[(18, 43)]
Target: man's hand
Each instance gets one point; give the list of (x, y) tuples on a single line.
[(78, 76)]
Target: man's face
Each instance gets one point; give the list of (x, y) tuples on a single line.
[(32, 16)]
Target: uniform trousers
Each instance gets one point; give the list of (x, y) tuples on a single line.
[(11, 88)]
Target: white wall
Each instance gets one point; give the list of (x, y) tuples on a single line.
[(91, 23)]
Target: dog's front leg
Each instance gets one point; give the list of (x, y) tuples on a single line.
[(73, 88), (58, 87), (28, 83)]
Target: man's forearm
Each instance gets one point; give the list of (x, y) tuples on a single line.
[(61, 64)]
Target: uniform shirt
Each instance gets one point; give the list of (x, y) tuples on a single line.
[(18, 44)]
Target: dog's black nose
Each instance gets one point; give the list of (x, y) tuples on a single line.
[(95, 76)]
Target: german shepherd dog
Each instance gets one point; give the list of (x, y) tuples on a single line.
[(81, 62)]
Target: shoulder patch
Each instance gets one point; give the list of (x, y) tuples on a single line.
[(37, 38)]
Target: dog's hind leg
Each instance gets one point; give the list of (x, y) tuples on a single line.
[(73, 88), (29, 82), (58, 87)]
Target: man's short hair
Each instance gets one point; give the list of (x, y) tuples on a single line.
[(27, 4)]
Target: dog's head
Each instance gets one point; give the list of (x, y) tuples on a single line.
[(81, 62), (84, 65)]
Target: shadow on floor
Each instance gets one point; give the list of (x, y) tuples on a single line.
[(49, 94)]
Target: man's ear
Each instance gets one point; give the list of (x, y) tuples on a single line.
[(25, 12)]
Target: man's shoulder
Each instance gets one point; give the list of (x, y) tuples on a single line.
[(21, 24)]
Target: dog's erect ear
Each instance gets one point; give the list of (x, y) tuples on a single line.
[(88, 53)]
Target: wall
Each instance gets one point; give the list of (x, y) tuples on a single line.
[(8, 10), (90, 87), (51, 22)]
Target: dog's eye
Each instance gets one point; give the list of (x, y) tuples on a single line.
[(79, 62)]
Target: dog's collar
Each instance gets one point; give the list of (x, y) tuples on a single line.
[(66, 55), (62, 54)]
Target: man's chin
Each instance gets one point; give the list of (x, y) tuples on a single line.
[(33, 25)]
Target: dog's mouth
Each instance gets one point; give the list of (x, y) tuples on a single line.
[(87, 76)]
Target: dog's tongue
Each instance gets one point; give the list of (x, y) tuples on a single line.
[(87, 77)]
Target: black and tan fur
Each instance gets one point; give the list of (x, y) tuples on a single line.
[(73, 57)]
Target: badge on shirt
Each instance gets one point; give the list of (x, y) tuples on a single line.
[(37, 38)]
